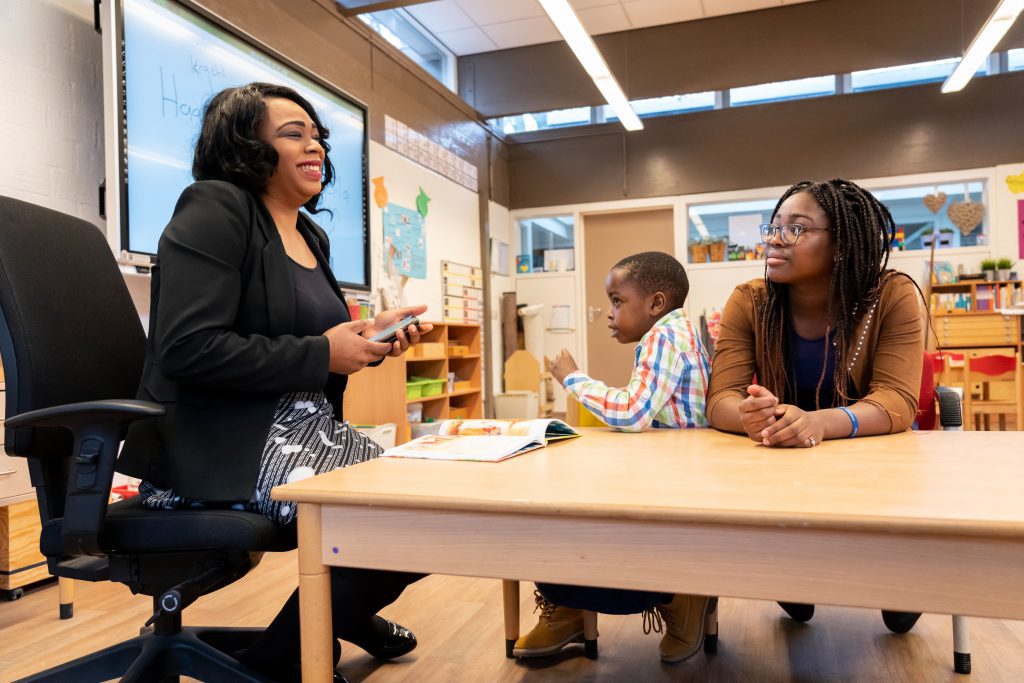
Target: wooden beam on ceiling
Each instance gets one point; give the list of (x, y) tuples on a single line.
[(351, 8)]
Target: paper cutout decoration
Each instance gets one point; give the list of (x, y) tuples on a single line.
[(935, 202), (380, 193), (1015, 183), (421, 202), (966, 215)]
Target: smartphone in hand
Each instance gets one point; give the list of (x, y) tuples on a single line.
[(389, 335)]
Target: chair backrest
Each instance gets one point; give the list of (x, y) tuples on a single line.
[(995, 367), (68, 331), (926, 399)]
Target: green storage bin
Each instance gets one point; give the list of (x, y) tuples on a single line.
[(426, 385), (413, 389)]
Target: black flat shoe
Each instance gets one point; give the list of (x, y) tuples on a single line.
[(798, 611), (386, 639), (900, 622)]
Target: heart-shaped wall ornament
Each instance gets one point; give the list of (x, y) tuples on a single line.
[(966, 215), (1015, 183), (935, 202)]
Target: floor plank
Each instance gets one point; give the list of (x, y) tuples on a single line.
[(459, 626)]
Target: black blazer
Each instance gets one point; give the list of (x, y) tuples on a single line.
[(221, 349)]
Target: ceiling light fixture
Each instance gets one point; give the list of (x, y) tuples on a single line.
[(582, 45), (991, 33)]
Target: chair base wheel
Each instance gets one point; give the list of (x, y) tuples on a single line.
[(711, 644), (900, 622), (509, 646), (797, 611), (962, 662), (590, 649)]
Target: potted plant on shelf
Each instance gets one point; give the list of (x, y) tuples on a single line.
[(1003, 267), (717, 249), (698, 252), (988, 267)]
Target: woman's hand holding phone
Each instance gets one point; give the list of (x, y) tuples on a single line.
[(350, 351), (403, 339)]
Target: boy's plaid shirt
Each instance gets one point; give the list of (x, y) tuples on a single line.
[(668, 386)]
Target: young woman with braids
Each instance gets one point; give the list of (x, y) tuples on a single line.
[(829, 344)]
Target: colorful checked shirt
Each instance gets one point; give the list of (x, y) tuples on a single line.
[(668, 386)]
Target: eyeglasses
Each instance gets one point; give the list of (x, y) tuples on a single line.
[(789, 234)]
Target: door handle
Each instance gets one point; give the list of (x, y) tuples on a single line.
[(592, 313)]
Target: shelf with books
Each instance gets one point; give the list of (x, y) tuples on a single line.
[(972, 313)]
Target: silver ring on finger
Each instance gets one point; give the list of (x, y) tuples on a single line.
[(813, 442)]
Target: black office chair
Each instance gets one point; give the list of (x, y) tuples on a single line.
[(72, 348)]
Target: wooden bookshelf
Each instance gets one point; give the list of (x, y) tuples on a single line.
[(377, 395), (971, 314)]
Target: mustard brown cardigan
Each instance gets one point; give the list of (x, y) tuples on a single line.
[(886, 371)]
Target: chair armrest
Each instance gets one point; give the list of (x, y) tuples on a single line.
[(76, 415), (97, 428), (951, 416)]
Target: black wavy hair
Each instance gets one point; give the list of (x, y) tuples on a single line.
[(229, 146), (656, 271), (862, 230)]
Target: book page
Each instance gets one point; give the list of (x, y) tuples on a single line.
[(480, 448), (543, 430)]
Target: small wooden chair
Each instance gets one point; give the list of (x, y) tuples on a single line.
[(989, 372)]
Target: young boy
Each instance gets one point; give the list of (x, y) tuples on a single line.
[(667, 390)]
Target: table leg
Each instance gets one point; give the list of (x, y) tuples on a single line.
[(314, 599), (510, 597)]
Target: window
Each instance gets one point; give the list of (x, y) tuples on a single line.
[(908, 74), (783, 90), (405, 33), (915, 222), (664, 106), (546, 244), (727, 231), (1015, 59)]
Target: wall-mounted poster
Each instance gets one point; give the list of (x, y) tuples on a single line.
[(403, 230)]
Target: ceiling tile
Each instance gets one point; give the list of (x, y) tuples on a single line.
[(643, 13), (442, 16), (466, 41), (493, 11), (715, 8), (607, 19), (523, 32)]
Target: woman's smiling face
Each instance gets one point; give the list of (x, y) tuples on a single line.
[(293, 135)]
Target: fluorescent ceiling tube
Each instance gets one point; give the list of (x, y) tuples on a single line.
[(983, 44), (582, 45)]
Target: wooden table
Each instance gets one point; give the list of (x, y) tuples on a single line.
[(929, 522)]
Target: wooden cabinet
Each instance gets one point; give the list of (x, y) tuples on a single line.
[(969, 314), (20, 560), (14, 481), (450, 353)]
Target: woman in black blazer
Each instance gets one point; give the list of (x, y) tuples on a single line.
[(250, 346)]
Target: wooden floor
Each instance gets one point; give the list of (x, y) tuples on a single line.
[(459, 626)]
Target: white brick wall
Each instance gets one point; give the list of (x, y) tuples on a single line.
[(51, 107)]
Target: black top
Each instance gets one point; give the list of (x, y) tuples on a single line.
[(317, 308), (222, 345)]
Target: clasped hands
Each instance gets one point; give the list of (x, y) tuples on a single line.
[(778, 424), (352, 350)]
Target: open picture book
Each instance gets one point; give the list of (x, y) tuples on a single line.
[(484, 440)]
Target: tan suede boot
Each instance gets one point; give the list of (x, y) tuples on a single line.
[(556, 628), (684, 622)]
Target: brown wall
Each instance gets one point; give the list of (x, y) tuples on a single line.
[(864, 135), (347, 54), (782, 43)]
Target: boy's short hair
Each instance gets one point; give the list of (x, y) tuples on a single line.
[(656, 271)]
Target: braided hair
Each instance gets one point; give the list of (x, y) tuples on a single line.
[(862, 231)]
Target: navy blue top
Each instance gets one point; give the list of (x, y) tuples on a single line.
[(806, 358), (317, 306)]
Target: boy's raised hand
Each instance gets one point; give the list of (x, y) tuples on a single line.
[(562, 366)]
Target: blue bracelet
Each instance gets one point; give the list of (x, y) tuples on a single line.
[(853, 420)]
